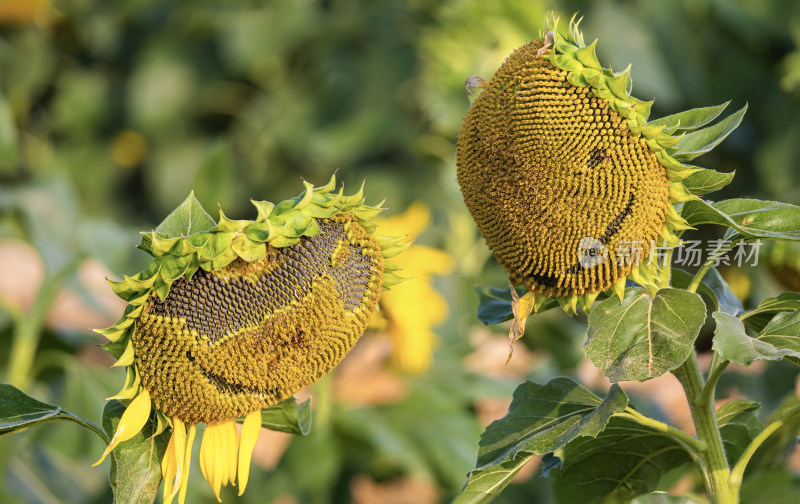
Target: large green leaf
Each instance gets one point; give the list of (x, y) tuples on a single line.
[(188, 218), (783, 332), (733, 344), (642, 337), (758, 317), (690, 119), (699, 142), (780, 338), (623, 461), (135, 464), (18, 411), (776, 485), (713, 286), (288, 416), (706, 181), (749, 217), (739, 424), (494, 305), (541, 418)]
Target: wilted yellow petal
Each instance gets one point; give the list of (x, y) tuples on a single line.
[(131, 423), (178, 445), (251, 428), (210, 463), (187, 461), (169, 467), (221, 468), (232, 437)]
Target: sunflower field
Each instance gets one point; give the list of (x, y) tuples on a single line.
[(409, 251)]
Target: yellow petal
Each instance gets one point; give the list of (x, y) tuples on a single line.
[(203, 468), (187, 461), (251, 428), (233, 450), (131, 423), (178, 443), (419, 260), (169, 466), (220, 457), (411, 222), (208, 458)]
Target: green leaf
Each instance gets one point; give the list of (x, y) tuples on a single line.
[(623, 461), (541, 419), (713, 286), (494, 305), (135, 464), (758, 317), (733, 344), (188, 218), (749, 217), (690, 119), (288, 416), (699, 142), (739, 424), (706, 181), (783, 332), (643, 337), (18, 411), (776, 485)]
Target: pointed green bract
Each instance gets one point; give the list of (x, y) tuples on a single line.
[(702, 141), (188, 218), (692, 119), (704, 181)]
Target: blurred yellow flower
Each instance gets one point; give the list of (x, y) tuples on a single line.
[(21, 11), (412, 308), (128, 149)]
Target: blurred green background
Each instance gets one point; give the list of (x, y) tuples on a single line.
[(111, 112)]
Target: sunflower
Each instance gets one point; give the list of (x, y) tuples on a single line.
[(569, 184), (234, 316)]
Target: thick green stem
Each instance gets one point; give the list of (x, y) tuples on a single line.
[(717, 471)]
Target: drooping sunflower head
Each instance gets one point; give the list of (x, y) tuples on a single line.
[(234, 316), (568, 183)]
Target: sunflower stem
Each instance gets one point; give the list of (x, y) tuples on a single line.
[(715, 465), (711, 261)]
